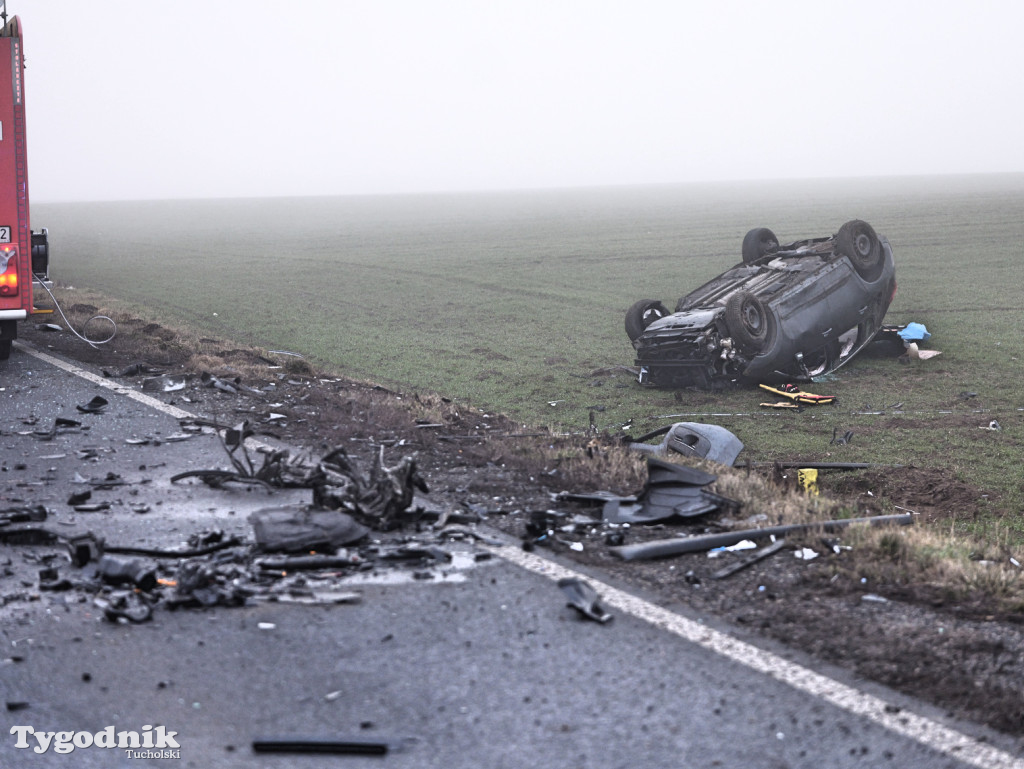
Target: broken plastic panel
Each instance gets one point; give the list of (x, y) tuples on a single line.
[(694, 439), (292, 529)]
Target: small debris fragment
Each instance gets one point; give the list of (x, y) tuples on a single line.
[(584, 599), (95, 406)]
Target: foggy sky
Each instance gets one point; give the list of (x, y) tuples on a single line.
[(140, 99)]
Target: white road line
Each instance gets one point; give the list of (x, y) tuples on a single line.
[(153, 403), (923, 730), (918, 728), (135, 395)]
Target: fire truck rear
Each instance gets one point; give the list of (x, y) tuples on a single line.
[(24, 254)]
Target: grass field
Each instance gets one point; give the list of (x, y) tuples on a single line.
[(515, 301)]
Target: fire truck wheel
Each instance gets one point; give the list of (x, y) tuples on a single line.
[(5, 349)]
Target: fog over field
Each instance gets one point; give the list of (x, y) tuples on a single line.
[(130, 100)]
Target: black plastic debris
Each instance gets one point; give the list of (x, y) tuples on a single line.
[(693, 439), (60, 424), (584, 599), (84, 548), (28, 514), (301, 529), (672, 491), (336, 745), (124, 604), (28, 535), (50, 580), (95, 406), (201, 583), (117, 570)]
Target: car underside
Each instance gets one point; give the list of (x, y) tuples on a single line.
[(786, 313)]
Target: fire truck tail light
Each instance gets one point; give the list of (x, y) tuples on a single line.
[(9, 277)]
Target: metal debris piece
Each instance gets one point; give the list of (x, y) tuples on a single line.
[(824, 465), (584, 599), (662, 548), (209, 380)]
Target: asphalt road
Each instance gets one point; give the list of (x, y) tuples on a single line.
[(484, 668)]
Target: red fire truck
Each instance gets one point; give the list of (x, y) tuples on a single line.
[(24, 254)]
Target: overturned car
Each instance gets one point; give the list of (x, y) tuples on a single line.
[(786, 313)]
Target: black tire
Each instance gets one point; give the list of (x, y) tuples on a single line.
[(747, 319), (641, 315), (858, 241), (5, 349), (758, 243)]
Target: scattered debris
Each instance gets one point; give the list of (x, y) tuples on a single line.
[(760, 555), (662, 548), (584, 599)]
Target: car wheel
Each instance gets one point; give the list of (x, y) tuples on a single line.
[(5, 349), (641, 315), (757, 243), (747, 320), (858, 241)]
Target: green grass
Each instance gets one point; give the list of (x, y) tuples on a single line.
[(512, 301)]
